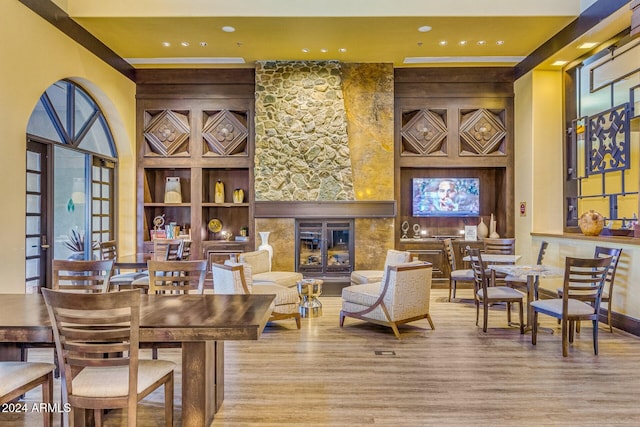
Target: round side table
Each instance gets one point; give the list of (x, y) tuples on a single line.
[(310, 290)]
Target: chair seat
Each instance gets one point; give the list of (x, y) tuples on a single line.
[(285, 278), (16, 374), (462, 275), (554, 306), (366, 294), (113, 381), (500, 292), (361, 277), (283, 294)]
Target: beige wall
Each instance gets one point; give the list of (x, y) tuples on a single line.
[(34, 56)]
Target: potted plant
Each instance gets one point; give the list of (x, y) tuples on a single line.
[(75, 244)]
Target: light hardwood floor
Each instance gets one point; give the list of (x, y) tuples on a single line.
[(456, 375)]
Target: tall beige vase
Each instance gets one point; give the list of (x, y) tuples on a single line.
[(483, 230)]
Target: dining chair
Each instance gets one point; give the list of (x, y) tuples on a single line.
[(172, 278), (109, 251), (85, 328), (487, 293), (584, 280), (185, 250), (176, 277), (522, 280), (235, 278), (17, 378), (456, 275), (81, 276), (607, 291), (167, 249)]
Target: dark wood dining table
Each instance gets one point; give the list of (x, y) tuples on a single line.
[(200, 322), (133, 262)]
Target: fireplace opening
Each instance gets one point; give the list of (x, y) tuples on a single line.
[(325, 248)]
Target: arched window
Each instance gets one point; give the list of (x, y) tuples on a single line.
[(71, 152)]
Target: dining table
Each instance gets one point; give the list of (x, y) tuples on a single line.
[(496, 258), (531, 272), (136, 261), (201, 323)]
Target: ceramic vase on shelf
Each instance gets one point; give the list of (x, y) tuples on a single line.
[(264, 237), (218, 196), (591, 223), (483, 230), (238, 195), (492, 229)]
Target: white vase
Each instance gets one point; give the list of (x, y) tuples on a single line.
[(264, 236), (483, 230)]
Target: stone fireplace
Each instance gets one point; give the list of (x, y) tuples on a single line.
[(324, 151)]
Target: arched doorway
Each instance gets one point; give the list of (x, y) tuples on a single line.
[(71, 171)]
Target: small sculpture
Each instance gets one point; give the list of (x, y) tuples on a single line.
[(219, 192)]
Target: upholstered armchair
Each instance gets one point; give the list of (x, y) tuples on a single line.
[(235, 278), (360, 277), (261, 270), (402, 297)]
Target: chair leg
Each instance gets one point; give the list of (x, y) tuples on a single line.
[(595, 337), (609, 315), (430, 321), (521, 310), (534, 328), (168, 401), (509, 313), (577, 326), (47, 397), (154, 353), (565, 333), (297, 318), (341, 319), (571, 329), (477, 310), (395, 329), (485, 321), (451, 284)]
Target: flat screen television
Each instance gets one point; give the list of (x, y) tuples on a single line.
[(446, 197)]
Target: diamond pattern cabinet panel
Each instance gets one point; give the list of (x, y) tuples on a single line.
[(424, 133), (225, 133), (482, 132), (166, 133)]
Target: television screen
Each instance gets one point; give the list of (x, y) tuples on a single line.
[(450, 197)]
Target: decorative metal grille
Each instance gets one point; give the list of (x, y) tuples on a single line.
[(608, 141)]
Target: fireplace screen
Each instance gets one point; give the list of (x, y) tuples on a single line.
[(324, 248)]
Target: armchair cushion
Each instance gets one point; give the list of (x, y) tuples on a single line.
[(285, 278), (360, 277), (258, 260)]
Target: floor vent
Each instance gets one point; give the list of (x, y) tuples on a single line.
[(385, 353)]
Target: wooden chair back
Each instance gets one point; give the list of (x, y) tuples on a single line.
[(176, 277), (481, 278), (584, 279), (108, 250), (167, 249), (541, 252), (88, 326), (82, 276), (185, 250), (448, 248), (614, 253), (500, 246)]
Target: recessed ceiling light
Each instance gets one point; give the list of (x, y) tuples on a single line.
[(442, 42), (588, 45), (185, 44), (559, 63), (481, 42), (166, 44), (228, 29), (305, 50), (462, 42), (204, 44), (424, 28), (342, 50), (500, 42), (323, 50)]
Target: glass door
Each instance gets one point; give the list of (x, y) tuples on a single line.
[(37, 237), (339, 247), (310, 245)]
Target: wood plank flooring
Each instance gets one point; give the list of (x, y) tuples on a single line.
[(456, 375)]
